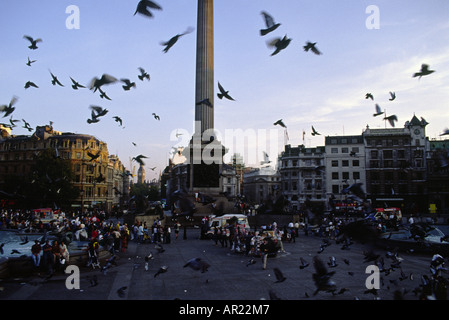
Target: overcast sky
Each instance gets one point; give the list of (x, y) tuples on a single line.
[(304, 89)]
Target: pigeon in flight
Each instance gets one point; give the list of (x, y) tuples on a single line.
[(391, 119), (103, 95), (104, 80), (93, 156), (128, 84), (280, 44), (445, 132), (369, 96), (314, 132), (143, 5), (33, 42), (139, 160), (8, 109), (206, 102), (279, 276), (30, 62), (311, 46), (197, 264), (118, 119), (143, 74), (223, 93), (156, 116), (170, 43), (76, 85), (29, 84), (55, 81), (378, 111), (322, 277), (392, 96), (355, 189), (281, 123), (27, 126), (270, 24), (423, 72)]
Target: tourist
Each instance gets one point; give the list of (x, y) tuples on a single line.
[(36, 253)]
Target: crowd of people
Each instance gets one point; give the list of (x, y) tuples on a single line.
[(101, 232)]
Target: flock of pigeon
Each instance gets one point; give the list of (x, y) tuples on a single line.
[(145, 8)]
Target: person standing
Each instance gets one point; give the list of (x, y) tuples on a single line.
[(47, 256)]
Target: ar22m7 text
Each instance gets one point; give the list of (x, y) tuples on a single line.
[(251, 309)]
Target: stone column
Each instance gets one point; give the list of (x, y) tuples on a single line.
[(204, 85)]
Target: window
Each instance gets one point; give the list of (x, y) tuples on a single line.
[(374, 154), (334, 150), (345, 150), (388, 154), (335, 188), (334, 163), (335, 175), (356, 175), (355, 163), (345, 175), (355, 149), (345, 163)]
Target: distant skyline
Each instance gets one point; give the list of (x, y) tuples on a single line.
[(325, 91)]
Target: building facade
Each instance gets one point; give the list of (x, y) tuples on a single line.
[(345, 164), (261, 184), (303, 176), (396, 166), (88, 158)]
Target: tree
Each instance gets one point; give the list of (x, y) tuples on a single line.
[(50, 182)]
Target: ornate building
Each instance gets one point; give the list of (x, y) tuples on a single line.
[(89, 160)]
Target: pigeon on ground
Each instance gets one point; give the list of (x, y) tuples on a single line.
[(159, 247), (279, 276), (162, 269), (197, 264), (304, 263), (332, 262), (143, 5), (270, 24), (250, 262), (121, 292)]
